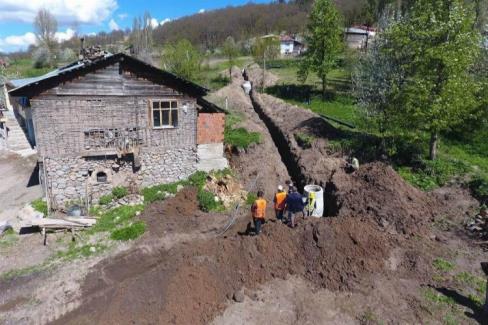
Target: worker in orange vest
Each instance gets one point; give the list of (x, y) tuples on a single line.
[(258, 211), (279, 203)]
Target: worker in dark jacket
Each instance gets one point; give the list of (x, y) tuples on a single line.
[(294, 206)]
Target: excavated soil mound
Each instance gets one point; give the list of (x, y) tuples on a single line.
[(255, 74), (377, 191), (192, 282), (179, 215)]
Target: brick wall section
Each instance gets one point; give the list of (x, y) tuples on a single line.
[(210, 128)]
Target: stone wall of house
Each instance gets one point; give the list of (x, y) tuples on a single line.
[(71, 179)]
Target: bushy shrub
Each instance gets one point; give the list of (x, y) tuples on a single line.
[(119, 192), (241, 138), (67, 55), (130, 232), (479, 187), (41, 58), (105, 199), (251, 198), (198, 179), (206, 201), (40, 205), (304, 140), (115, 217)]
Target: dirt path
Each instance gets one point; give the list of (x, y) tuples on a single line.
[(18, 175)]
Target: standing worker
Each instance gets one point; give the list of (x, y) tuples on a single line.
[(294, 205), (311, 203), (279, 203), (258, 211)]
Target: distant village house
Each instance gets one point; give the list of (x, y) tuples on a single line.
[(290, 46), (359, 37)]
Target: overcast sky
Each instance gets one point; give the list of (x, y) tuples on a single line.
[(90, 16)]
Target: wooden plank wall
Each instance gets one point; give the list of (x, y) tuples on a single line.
[(111, 82)]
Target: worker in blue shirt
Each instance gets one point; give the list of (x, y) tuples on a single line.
[(294, 205)]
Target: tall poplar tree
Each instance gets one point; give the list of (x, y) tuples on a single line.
[(325, 42), (436, 44)]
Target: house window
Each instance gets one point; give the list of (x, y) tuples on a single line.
[(164, 113)]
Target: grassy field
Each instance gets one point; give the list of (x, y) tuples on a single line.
[(463, 159), (23, 68), (288, 76), (211, 76)]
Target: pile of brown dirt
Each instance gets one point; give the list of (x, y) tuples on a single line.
[(190, 284), (377, 191), (179, 215), (255, 73)]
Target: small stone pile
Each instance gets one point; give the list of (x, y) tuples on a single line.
[(478, 226), (226, 190), (131, 199)]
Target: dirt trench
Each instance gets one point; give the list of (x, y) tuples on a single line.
[(376, 191), (287, 156)]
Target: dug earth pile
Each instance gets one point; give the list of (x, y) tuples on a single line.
[(259, 166), (375, 191), (191, 283), (192, 279)]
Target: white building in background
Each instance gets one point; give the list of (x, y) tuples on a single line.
[(290, 46), (359, 37)]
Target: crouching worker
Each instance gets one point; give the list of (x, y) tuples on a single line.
[(279, 203), (258, 211), (294, 205)]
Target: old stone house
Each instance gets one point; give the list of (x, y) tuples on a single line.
[(116, 121)]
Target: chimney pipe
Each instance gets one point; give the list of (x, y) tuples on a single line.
[(82, 47)]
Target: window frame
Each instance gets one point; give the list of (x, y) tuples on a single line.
[(170, 115)]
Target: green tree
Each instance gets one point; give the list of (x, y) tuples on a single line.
[(324, 40), (45, 27), (375, 82), (231, 52), (182, 59), (141, 37), (435, 44), (263, 49)]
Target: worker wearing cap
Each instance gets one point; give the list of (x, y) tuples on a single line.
[(279, 202), (258, 211), (294, 205)]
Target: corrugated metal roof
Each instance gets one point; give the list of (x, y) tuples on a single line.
[(18, 83)]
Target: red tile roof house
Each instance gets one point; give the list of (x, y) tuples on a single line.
[(117, 121), (290, 46)]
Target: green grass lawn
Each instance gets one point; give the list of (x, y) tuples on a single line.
[(23, 68), (466, 159), (342, 108), (288, 75), (210, 74)]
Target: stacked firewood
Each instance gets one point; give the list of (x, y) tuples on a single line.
[(93, 53)]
